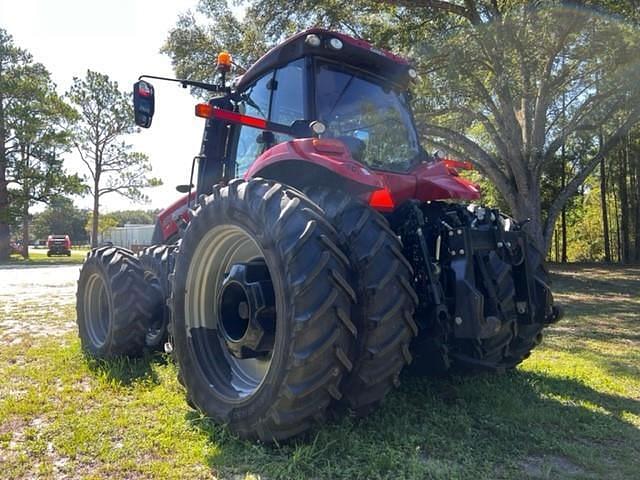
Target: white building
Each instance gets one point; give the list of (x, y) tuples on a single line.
[(131, 236)]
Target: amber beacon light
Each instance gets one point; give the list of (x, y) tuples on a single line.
[(224, 61)]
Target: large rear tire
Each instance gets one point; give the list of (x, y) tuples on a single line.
[(267, 368), (386, 302), (157, 262), (113, 303)]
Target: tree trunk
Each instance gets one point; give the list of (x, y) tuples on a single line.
[(4, 193), (25, 230), (96, 192), (605, 216), (637, 243), (528, 209), (563, 180), (24, 158), (616, 222), (95, 218), (624, 207)]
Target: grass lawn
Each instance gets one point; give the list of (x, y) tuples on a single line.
[(570, 411), (39, 257)]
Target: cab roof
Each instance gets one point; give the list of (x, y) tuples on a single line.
[(355, 52)]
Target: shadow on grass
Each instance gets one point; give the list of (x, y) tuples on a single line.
[(126, 371), (480, 427), (611, 281)]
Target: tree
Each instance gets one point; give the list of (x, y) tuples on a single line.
[(105, 222), (505, 84), (140, 217), (506, 71), (41, 134), (12, 61), (61, 217), (106, 117)]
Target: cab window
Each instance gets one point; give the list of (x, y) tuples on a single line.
[(254, 102), (288, 96), (278, 97)]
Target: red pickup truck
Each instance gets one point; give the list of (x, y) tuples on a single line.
[(58, 245)]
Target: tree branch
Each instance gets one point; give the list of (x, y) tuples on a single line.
[(448, 7), (87, 163)]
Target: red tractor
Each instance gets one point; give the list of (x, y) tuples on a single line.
[(321, 250)]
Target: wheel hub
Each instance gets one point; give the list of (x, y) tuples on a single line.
[(246, 310)]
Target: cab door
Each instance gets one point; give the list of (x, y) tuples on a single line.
[(278, 96)]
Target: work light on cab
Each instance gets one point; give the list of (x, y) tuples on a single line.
[(313, 40)]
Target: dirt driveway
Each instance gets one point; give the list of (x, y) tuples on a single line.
[(26, 292)]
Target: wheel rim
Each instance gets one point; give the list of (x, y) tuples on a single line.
[(210, 327), (97, 310)]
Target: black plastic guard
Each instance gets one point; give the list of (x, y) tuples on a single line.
[(469, 320)]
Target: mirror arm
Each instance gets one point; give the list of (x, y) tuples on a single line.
[(191, 83)]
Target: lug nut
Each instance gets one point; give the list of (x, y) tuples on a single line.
[(461, 252), (459, 232), (500, 244), (458, 320)]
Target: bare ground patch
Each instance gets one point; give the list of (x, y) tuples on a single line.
[(550, 466), (35, 302)]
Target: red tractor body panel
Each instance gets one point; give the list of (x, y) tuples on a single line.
[(425, 182), (358, 42), (428, 182), (167, 218), (331, 155)]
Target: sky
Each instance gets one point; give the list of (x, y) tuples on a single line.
[(121, 38)]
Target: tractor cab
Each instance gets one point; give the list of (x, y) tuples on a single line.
[(321, 107), (357, 92)]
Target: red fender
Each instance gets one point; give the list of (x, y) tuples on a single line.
[(426, 182), (290, 161), (440, 180)]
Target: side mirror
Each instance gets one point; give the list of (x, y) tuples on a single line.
[(143, 103)]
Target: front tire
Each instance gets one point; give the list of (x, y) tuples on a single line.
[(267, 376), (113, 304)]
